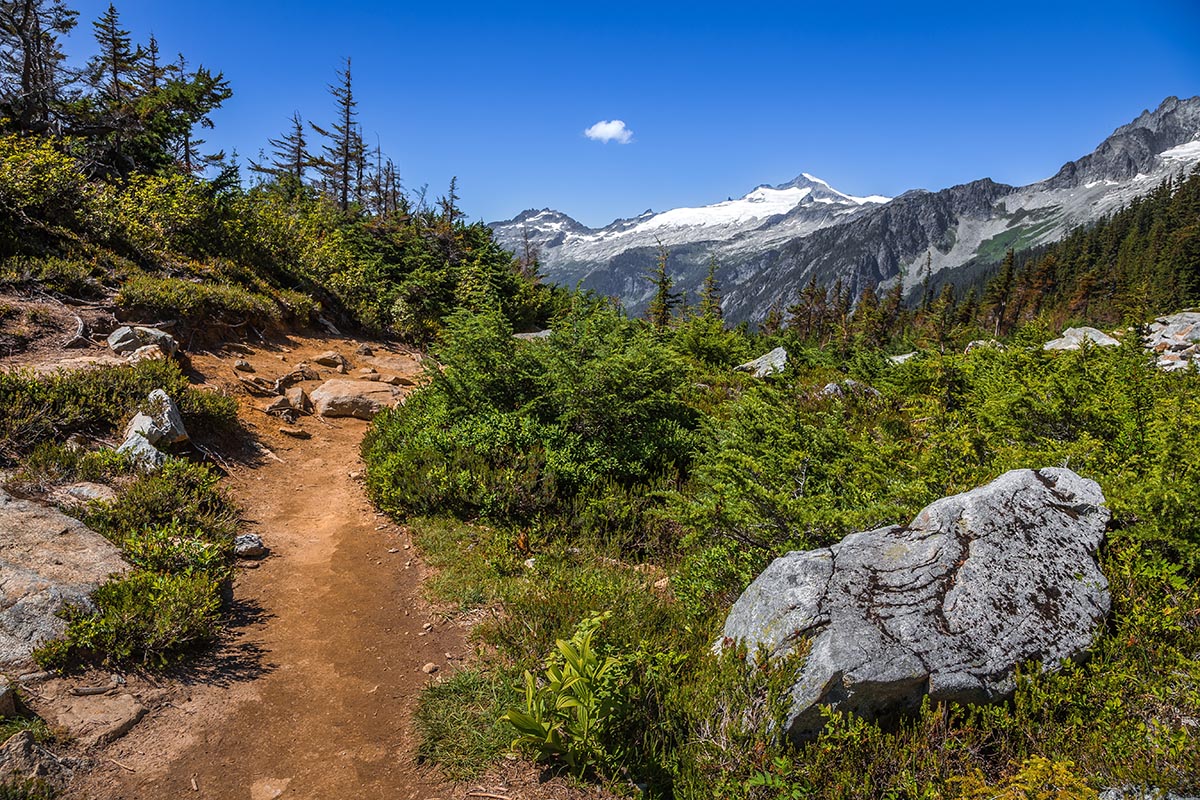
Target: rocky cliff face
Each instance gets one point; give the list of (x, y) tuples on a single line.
[(771, 242)]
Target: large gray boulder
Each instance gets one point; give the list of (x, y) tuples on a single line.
[(47, 560), (362, 399), (947, 606), (764, 365)]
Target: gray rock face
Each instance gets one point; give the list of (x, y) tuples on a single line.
[(769, 364), (947, 606), (47, 560), (127, 339), (142, 453), (1073, 339), (361, 399), (160, 422), (1175, 340)]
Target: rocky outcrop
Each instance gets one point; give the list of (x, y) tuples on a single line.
[(947, 606), (1073, 339), (1175, 340), (346, 398), (769, 364), (47, 560)]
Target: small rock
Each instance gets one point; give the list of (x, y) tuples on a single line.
[(429, 668), (341, 369), (85, 492), (529, 337), (126, 339), (397, 380), (900, 359), (367, 371), (331, 359), (299, 399), (1073, 338), (160, 423), (242, 365), (364, 350), (8, 700), (150, 352), (361, 399), (249, 545), (294, 432), (355, 476), (99, 719)]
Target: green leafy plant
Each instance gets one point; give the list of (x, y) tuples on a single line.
[(566, 713)]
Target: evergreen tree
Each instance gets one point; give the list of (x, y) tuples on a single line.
[(290, 157), (342, 153), (112, 71), (710, 294), (773, 322), (664, 300), (999, 293), (31, 60)]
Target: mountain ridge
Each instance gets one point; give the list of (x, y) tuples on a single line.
[(776, 238)]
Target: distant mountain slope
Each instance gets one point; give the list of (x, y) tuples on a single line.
[(772, 241)]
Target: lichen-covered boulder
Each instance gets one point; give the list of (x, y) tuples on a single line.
[(47, 560), (947, 606)]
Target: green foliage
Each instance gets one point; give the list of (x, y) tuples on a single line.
[(26, 789), (52, 464), (176, 526), (149, 297), (567, 711), (1038, 779), (514, 431), (144, 618), (457, 721)]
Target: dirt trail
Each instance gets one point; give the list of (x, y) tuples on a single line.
[(313, 694)]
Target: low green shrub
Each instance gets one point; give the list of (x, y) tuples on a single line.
[(26, 789), (145, 618), (95, 401), (457, 720), (195, 302)]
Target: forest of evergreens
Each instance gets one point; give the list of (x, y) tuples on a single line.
[(616, 484)]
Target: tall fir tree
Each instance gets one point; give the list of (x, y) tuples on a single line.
[(659, 311), (289, 154), (710, 294), (342, 153)]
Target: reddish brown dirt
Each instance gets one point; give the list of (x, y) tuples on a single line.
[(313, 694)]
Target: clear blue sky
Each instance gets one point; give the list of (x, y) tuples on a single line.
[(874, 97)]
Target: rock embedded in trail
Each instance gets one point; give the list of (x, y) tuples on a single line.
[(249, 545), (947, 606), (765, 365), (47, 561), (352, 398)]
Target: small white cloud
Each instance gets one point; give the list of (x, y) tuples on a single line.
[(610, 130)]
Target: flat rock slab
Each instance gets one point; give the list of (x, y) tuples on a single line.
[(948, 606), (352, 398), (47, 560), (99, 719)]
